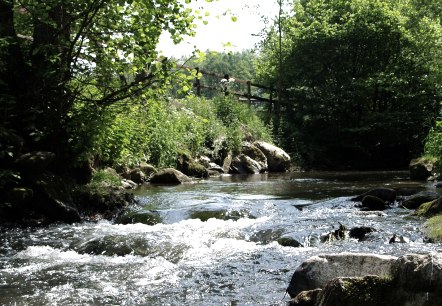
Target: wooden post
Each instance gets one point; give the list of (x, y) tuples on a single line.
[(249, 92), (197, 83)]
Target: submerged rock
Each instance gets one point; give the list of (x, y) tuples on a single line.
[(385, 194), (360, 233), (370, 203), (139, 216)]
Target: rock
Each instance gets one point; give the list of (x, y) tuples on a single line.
[(148, 170), (414, 201), (137, 176), (107, 202), (204, 160), (114, 245), (412, 279), (191, 167), (128, 184), (52, 198), (338, 234), (34, 162), (215, 168), (386, 194), (430, 209), (169, 176), (227, 162), (370, 203), (243, 164), (277, 159), (419, 273), (371, 290), (142, 216), (306, 298), (256, 154), (289, 241), (359, 233), (398, 239), (421, 168), (433, 229), (317, 271)]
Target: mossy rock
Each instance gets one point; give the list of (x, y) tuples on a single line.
[(430, 209), (144, 217), (362, 291), (189, 166), (433, 228)]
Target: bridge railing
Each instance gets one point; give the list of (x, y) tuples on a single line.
[(248, 95)]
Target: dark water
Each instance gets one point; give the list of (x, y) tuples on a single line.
[(216, 245)]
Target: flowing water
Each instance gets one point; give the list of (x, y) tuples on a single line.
[(216, 244)]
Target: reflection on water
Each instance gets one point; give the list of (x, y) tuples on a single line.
[(216, 244)]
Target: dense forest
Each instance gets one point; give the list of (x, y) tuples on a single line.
[(358, 84), (360, 80)]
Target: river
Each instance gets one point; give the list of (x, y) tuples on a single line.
[(216, 244)]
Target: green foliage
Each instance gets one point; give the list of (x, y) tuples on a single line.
[(238, 65), (105, 178), (361, 81), (158, 131), (63, 63)]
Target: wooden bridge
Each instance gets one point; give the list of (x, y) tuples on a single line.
[(263, 94)]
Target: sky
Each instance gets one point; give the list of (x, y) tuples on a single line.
[(220, 30)]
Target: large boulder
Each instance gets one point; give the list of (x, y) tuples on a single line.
[(419, 273), (277, 159), (416, 200), (433, 229), (421, 168), (191, 167), (256, 154), (34, 162), (408, 280), (371, 203), (243, 164), (53, 199), (317, 271), (430, 209), (169, 176)]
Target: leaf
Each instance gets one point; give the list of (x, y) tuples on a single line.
[(234, 18)]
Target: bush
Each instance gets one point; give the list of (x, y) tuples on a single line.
[(158, 130)]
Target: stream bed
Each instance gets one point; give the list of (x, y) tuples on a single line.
[(217, 243)]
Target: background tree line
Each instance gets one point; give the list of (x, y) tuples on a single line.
[(362, 80), (361, 83)]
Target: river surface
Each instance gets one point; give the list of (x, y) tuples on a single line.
[(216, 244)]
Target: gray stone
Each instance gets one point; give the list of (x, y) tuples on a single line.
[(421, 169), (385, 194), (277, 159), (169, 176), (371, 203), (317, 271), (416, 200), (243, 164)]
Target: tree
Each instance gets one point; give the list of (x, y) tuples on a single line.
[(362, 77), (60, 57)]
